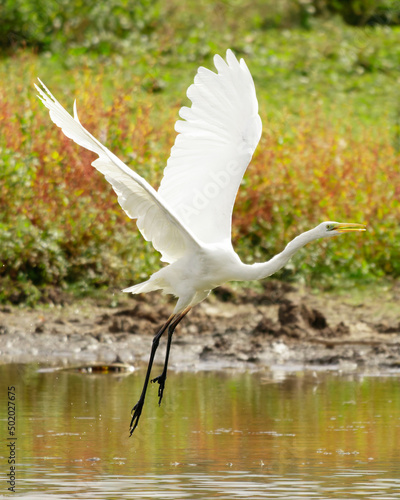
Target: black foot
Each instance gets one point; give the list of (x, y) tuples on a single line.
[(136, 411), (161, 381)]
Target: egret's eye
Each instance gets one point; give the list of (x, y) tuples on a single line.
[(329, 227)]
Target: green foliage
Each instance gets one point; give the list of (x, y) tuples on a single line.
[(116, 25), (362, 12), (319, 172), (55, 236), (330, 147), (57, 24)]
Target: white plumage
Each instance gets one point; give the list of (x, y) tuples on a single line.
[(189, 219), (215, 144)]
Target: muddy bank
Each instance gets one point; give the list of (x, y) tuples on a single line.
[(281, 325)]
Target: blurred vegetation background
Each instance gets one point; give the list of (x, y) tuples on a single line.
[(327, 74)]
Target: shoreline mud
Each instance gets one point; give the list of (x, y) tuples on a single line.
[(281, 326)]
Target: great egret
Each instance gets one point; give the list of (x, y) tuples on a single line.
[(188, 220)]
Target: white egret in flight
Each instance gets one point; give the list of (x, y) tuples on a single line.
[(188, 220)]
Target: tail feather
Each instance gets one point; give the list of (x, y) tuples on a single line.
[(157, 281), (146, 286)]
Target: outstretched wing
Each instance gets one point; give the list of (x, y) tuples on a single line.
[(155, 219), (214, 146)]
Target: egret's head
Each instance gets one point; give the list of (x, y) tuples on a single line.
[(331, 228)]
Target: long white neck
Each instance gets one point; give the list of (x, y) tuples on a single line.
[(262, 270)]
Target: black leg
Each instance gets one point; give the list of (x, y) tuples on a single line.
[(163, 377), (137, 409)]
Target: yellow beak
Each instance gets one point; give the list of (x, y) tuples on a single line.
[(344, 227)]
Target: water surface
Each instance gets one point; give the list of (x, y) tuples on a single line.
[(224, 435)]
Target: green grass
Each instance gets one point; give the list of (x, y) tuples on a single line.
[(330, 104)]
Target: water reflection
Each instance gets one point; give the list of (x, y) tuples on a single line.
[(217, 435)]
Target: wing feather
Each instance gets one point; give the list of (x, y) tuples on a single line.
[(216, 140), (155, 218)]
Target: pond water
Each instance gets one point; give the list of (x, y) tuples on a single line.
[(226, 435)]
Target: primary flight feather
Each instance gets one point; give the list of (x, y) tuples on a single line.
[(188, 220), (215, 144)]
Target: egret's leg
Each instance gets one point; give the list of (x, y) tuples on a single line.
[(162, 378), (137, 409)]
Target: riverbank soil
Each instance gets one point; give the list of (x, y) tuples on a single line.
[(282, 325)]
